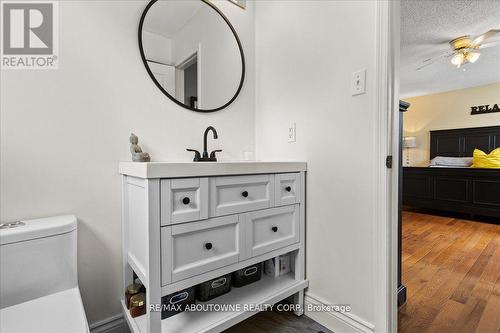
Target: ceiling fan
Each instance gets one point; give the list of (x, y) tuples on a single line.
[(465, 49)]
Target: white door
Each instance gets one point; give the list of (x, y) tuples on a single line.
[(165, 75)]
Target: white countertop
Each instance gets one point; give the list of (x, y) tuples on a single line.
[(198, 169)]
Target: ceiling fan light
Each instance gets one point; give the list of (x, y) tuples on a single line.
[(472, 56), (458, 59)]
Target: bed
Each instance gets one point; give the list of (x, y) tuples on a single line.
[(453, 189)]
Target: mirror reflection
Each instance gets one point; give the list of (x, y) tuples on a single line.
[(192, 53)]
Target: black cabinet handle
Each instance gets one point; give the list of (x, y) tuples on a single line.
[(274, 229), (208, 246), (244, 194), (288, 189), (186, 201)]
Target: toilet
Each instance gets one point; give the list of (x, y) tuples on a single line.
[(38, 277)]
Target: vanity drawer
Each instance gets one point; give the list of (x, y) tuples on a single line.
[(271, 229), (183, 200), (287, 188), (237, 194), (194, 248)]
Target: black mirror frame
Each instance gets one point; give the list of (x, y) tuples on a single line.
[(143, 56)]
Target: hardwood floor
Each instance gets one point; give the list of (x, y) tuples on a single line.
[(451, 269)]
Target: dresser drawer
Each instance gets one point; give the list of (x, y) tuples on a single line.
[(184, 200), (237, 194), (287, 188), (271, 229), (193, 248)]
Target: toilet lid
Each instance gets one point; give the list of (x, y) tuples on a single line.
[(61, 312), (38, 228)]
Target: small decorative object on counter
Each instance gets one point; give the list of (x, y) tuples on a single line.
[(278, 266), (208, 290), (177, 302), (137, 154), (138, 305), (132, 289), (247, 275)]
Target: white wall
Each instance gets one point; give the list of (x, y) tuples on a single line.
[(64, 131), (306, 52), (446, 111), (157, 47)]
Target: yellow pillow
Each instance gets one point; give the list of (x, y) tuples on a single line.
[(483, 160)]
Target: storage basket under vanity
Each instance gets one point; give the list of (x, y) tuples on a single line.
[(213, 288), (247, 275), (177, 302)]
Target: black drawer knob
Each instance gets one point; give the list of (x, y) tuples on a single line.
[(274, 229), (288, 189), (244, 194), (186, 201), (208, 246)]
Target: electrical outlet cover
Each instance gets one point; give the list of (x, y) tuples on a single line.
[(292, 133), (358, 82)]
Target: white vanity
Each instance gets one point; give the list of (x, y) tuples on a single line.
[(187, 223)]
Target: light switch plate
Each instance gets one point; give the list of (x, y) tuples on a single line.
[(292, 132), (358, 82)]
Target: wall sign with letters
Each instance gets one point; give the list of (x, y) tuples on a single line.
[(30, 31), (482, 109)]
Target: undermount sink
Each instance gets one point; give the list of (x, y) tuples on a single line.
[(195, 169)]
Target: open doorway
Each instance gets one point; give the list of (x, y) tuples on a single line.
[(449, 224), (187, 80)]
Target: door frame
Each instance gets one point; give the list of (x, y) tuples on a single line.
[(179, 74), (386, 143)]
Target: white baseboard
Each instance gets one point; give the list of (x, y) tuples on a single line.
[(113, 324), (338, 322)]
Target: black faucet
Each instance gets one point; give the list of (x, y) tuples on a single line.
[(205, 157)]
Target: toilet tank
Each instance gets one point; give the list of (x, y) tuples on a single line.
[(37, 258)]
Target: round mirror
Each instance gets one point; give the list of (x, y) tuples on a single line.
[(192, 53)]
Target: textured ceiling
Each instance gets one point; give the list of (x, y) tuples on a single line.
[(427, 27)]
